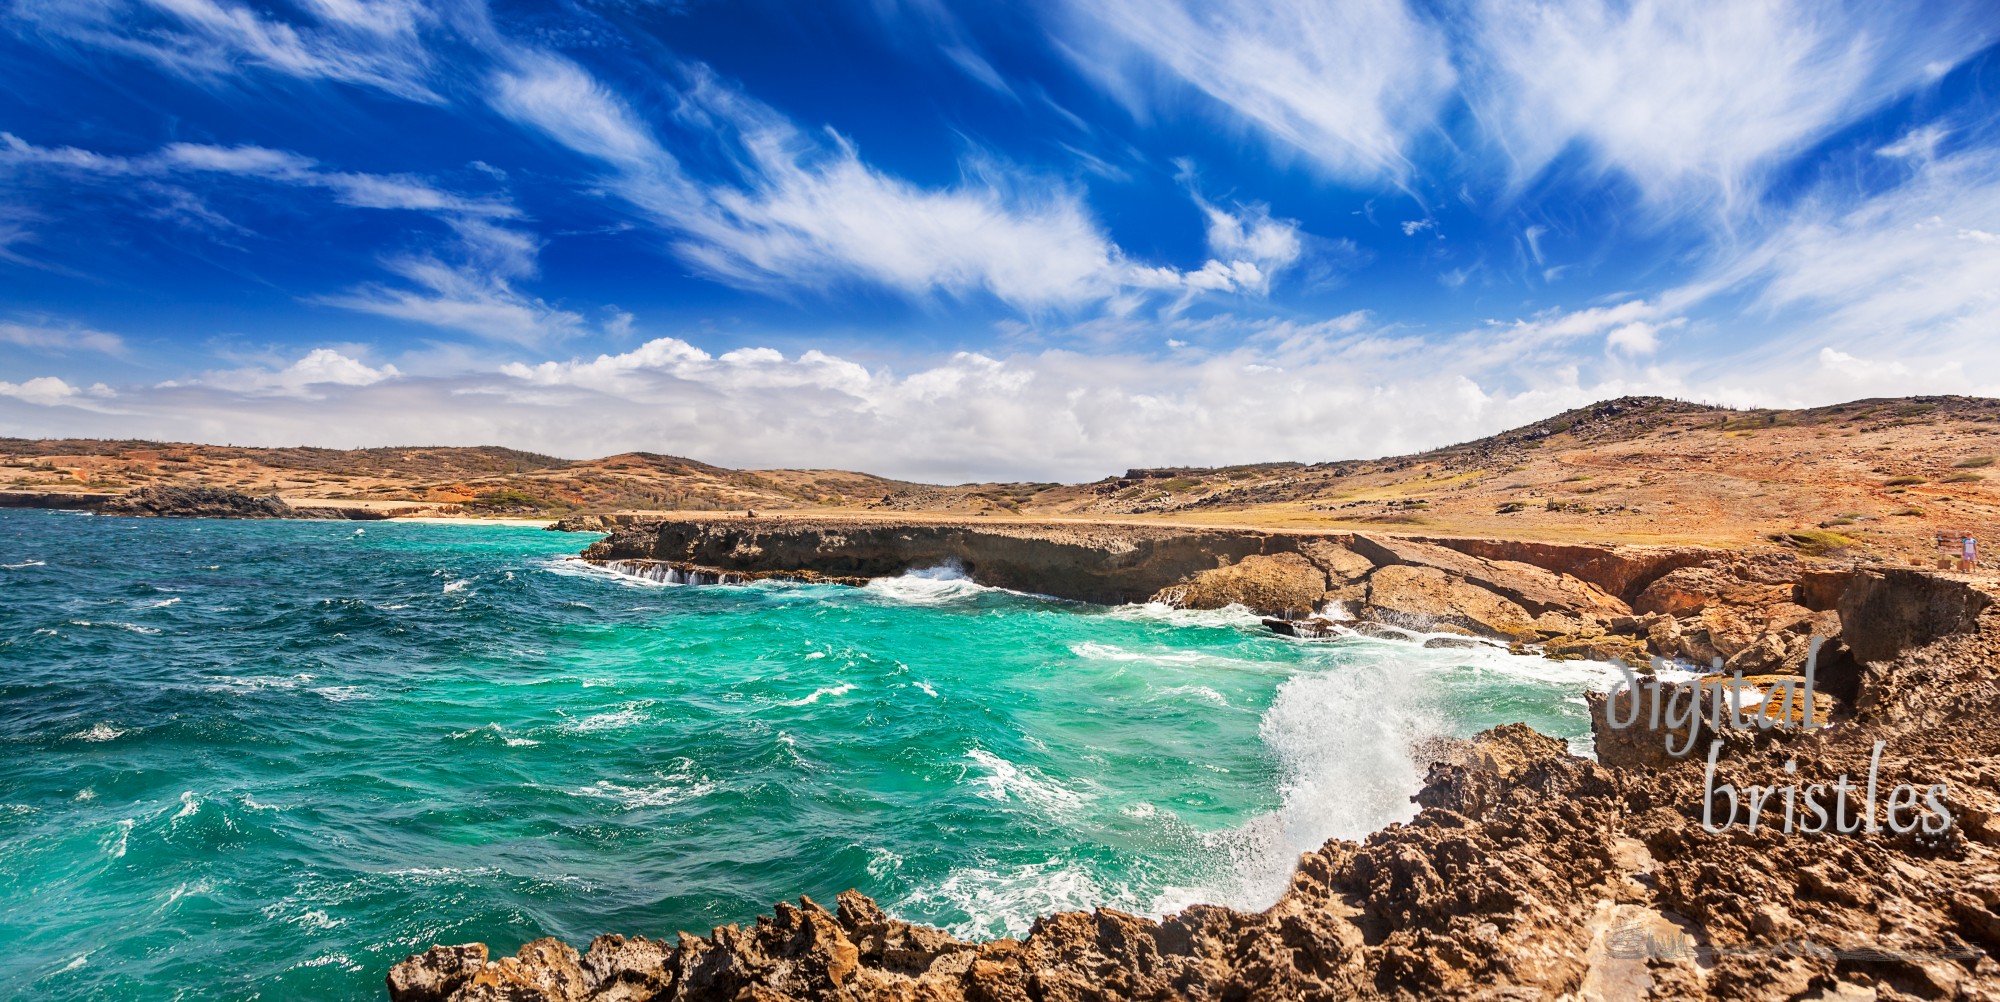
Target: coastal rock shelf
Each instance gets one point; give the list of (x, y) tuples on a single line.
[(1755, 611), (165, 501), (1528, 873)]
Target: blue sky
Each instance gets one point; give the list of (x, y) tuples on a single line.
[(1045, 240)]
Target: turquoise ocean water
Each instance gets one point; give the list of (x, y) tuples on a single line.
[(269, 759)]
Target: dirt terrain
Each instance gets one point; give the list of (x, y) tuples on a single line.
[(1869, 478)]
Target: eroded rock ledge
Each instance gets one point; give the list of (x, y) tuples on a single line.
[(1528, 873), (1754, 610), (167, 501)]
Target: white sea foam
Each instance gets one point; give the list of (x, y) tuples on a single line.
[(614, 720), (1343, 741), (491, 731), (24, 563), (1001, 780), (1096, 651), (114, 845), (926, 687), (98, 732), (1007, 900), (1345, 738), (344, 693), (194, 888), (666, 794), (163, 603), (1336, 610), (133, 627), (833, 690), (1227, 617), (1201, 692), (645, 573), (453, 587), (940, 585), (225, 682)]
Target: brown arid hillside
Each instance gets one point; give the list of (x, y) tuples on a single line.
[(484, 480), (1872, 478)]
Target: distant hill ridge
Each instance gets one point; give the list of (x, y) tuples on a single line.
[(1868, 474)]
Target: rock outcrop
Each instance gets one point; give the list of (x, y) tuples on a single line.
[(215, 502), (1281, 584), (1527, 873), (1752, 611)]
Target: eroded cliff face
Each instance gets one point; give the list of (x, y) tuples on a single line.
[(1090, 563), (1527, 873), (1754, 611)]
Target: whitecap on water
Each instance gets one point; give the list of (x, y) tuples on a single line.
[(1201, 692), (1096, 651), (1227, 617), (1001, 780), (24, 563), (133, 627), (114, 844), (343, 693), (940, 585), (832, 690), (97, 732), (223, 683), (612, 720), (665, 794), (453, 587), (491, 732), (187, 888)]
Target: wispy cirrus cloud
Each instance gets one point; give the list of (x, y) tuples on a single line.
[(1906, 274), (43, 335), (259, 163), (796, 210), (469, 284), (1349, 86), (370, 43), (478, 293), (1694, 101)]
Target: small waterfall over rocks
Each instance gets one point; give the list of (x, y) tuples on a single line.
[(670, 573)]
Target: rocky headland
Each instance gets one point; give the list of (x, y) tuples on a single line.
[(1755, 610), (1528, 873), (176, 501)]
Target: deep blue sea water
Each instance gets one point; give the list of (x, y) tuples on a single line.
[(269, 759)]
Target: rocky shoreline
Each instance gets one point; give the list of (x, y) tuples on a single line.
[(190, 502), (1755, 611), (1527, 873)]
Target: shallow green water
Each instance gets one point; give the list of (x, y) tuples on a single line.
[(269, 759)]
